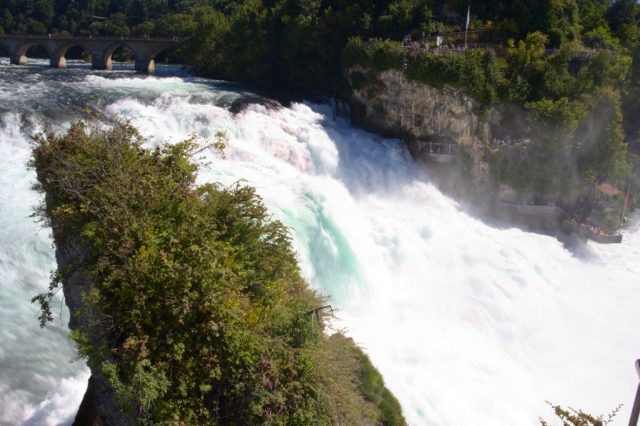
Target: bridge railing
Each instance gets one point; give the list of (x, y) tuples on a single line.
[(92, 38)]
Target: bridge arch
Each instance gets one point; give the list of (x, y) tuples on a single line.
[(19, 55), (163, 52), (143, 53), (105, 58), (123, 54), (109, 51), (145, 57), (101, 49), (58, 57)]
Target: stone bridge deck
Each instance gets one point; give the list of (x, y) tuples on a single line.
[(101, 49)]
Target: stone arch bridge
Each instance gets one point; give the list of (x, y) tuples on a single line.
[(101, 49)]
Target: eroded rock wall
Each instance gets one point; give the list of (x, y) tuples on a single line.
[(98, 407), (394, 104), (391, 104)]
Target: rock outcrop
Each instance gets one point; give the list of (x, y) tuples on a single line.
[(98, 407), (397, 105), (391, 104)]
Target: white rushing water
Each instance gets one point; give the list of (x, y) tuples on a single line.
[(469, 325)]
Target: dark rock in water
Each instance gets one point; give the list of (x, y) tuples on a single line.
[(88, 411), (240, 104), (98, 406)]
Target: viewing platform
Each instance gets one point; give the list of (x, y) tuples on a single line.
[(452, 43), (440, 152)]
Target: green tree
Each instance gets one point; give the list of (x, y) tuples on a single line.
[(593, 14), (403, 17), (623, 20), (564, 22)]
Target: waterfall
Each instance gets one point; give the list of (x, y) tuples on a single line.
[(468, 324)]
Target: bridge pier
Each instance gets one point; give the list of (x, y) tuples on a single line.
[(57, 61), (145, 65), (18, 58), (100, 61)]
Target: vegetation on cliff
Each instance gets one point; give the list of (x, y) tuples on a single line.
[(196, 312), (569, 112), (475, 71), (570, 97)]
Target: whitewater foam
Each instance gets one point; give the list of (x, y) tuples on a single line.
[(469, 324), (34, 362)]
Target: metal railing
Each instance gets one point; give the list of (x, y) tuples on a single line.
[(90, 38)]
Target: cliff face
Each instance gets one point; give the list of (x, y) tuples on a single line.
[(394, 103), (391, 104), (98, 407)]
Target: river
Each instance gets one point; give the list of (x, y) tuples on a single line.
[(469, 324)]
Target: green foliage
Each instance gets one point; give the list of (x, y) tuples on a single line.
[(593, 14), (196, 312), (606, 69), (563, 21), (622, 17), (600, 38), (562, 113), (58, 16), (379, 56), (573, 417), (523, 67), (604, 152), (296, 44), (372, 386), (299, 44), (474, 71), (401, 17), (573, 143)]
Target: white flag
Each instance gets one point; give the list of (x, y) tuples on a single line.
[(468, 17)]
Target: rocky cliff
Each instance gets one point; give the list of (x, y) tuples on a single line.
[(394, 103), (426, 117), (98, 407)]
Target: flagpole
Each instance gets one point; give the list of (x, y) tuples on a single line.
[(624, 208), (466, 27)]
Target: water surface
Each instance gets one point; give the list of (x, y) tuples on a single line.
[(469, 324)]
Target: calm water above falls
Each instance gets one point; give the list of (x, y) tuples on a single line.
[(470, 325)]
